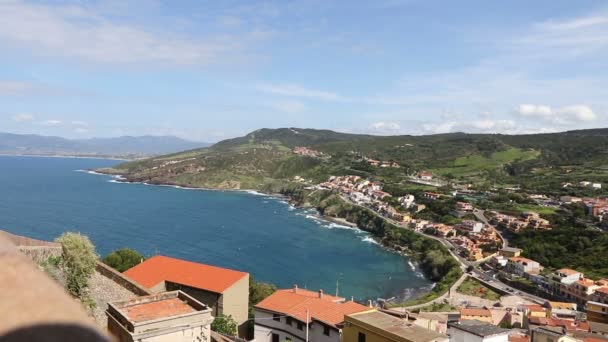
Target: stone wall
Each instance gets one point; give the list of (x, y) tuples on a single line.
[(121, 279)]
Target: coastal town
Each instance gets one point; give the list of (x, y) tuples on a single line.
[(500, 296)]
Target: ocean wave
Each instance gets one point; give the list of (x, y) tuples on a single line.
[(370, 239), (333, 225), (256, 193), (411, 264), (92, 172)]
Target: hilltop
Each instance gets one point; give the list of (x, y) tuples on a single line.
[(269, 159)]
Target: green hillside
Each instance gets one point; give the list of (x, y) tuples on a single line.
[(264, 159)]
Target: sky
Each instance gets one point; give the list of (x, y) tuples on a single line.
[(211, 70)]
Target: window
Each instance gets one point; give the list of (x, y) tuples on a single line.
[(360, 338), (300, 326), (276, 317), (288, 320), (326, 330), (275, 337)]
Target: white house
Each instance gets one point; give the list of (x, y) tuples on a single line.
[(284, 316), (407, 201), (477, 331)]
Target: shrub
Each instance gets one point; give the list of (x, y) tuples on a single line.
[(123, 259), (79, 260), (224, 325)]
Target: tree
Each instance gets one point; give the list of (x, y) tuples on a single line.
[(123, 259), (224, 325), (79, 260)]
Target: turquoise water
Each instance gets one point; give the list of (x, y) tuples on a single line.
[(43, 197)]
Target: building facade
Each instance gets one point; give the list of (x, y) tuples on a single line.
[(165, 317), (292, 314), (225, 291), (375, 326)]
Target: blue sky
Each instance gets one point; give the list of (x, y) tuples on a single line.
[(209, 70)]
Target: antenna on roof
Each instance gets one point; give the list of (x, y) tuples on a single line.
[(337, 286)]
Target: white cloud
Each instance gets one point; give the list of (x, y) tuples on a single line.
[(79, 123), (579, 112), (82, 33), (23, 117), (383, 127), (295, 90), (562, 115), (288, 106), (51, 122), (81, 130), (494, 126), (534, 110), (13, 88)]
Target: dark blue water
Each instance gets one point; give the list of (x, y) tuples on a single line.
[(43, 197)]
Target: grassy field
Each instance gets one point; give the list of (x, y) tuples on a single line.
[(536, 209), (474, 164), (472, 287), (438, 307)]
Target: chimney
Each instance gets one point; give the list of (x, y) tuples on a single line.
[(320, 293), (295, 288), (369, 303)]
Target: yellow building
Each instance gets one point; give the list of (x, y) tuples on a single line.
[(478, 314), (375, 326), (597, 312)]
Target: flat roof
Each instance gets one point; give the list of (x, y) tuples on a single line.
[(149, 311), (394, 326), (479, 328)]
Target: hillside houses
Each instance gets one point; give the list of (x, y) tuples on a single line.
[(381, 163), (596, 207), (366, 193), (516, 224), (307, 152)]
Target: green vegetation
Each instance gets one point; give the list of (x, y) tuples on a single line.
[(472, 287), (567, 245), (439, 307), (123, 259), (263, 159), (224, 325), (79, 260), (474, 164)]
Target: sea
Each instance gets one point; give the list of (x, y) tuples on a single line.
[(42, 197)]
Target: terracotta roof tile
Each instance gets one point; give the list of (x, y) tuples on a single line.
[(567, 271), (327, 309), (161, 268), (475, 312)]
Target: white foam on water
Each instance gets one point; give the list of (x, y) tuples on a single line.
[(253, 192), (370, 239)]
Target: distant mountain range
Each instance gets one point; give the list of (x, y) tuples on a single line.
[(124, 147)]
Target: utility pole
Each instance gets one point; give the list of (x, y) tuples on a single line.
[(307, 318)]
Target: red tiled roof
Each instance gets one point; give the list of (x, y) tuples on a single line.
[(567, 271), (161, 268), (521, 260), (535, 307), (475, 312), (295, 303), (602, 290), (519, 338)]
